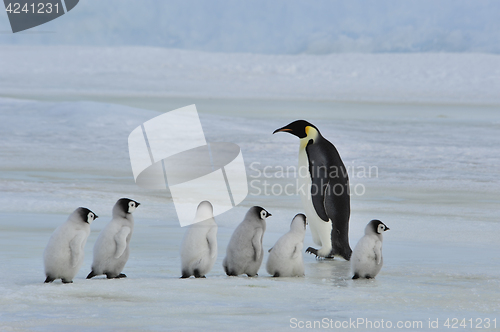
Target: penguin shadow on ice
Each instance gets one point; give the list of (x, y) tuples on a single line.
[(64, 253), (199, 246)]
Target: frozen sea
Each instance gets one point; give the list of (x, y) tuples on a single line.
[(433, 147)]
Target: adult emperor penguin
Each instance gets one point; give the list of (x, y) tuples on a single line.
[(64, 253), (199, 247), (111, 249), (324, 190), (244, 252), (367, 259), (285, 258)]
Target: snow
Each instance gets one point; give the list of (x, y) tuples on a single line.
[(123, 72), (278, 26)]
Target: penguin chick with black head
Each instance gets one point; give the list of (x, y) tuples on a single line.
[(111, 249), (324, 190), (285, 257), (367, 260), (64, 253), (244, 252), (199, 247)]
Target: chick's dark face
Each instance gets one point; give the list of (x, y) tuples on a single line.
[(128, 205), (263, 214), (87, 215), (297, 128)]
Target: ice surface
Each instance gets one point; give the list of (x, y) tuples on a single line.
[(435, 185), (437, 189)]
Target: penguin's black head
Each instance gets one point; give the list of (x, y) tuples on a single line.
[(298, 128), (378, 227), (127, 205), (261, 212), (87, 215)]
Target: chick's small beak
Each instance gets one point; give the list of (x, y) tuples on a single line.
[(269, 215), (95, 217), (387, 229)]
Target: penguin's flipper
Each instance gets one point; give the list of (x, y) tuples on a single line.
[(338, 210), (297, 250), (319, 180), (121, 241), (257, 245), (378, 252), (76, 247), (212, 245)]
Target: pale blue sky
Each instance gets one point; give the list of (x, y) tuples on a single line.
[(276, 26)]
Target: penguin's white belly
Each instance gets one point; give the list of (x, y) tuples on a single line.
[(320, 230)]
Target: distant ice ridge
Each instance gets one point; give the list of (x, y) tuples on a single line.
[(142, 71)]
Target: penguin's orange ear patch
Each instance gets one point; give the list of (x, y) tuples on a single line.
[(307, 130)]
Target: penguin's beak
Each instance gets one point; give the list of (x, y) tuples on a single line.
[(284, 129), (269, 215), (387, 229), (95, 217)]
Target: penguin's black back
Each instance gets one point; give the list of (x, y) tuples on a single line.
[(331, 201)]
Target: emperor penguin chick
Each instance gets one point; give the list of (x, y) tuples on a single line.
[(244, 252), (199, 247), (285, 258), (111, 249), (367, 260), (64, 253)]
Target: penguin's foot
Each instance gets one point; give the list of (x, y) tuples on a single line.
[(321, 253), (49, 279), (66, 281), (313, 251), (355, 276), (368, 276), (91, 275), (184, 276), (120, 276), (230, 272), (197, 274), (276, 274), (252, 275), (200, 277)]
